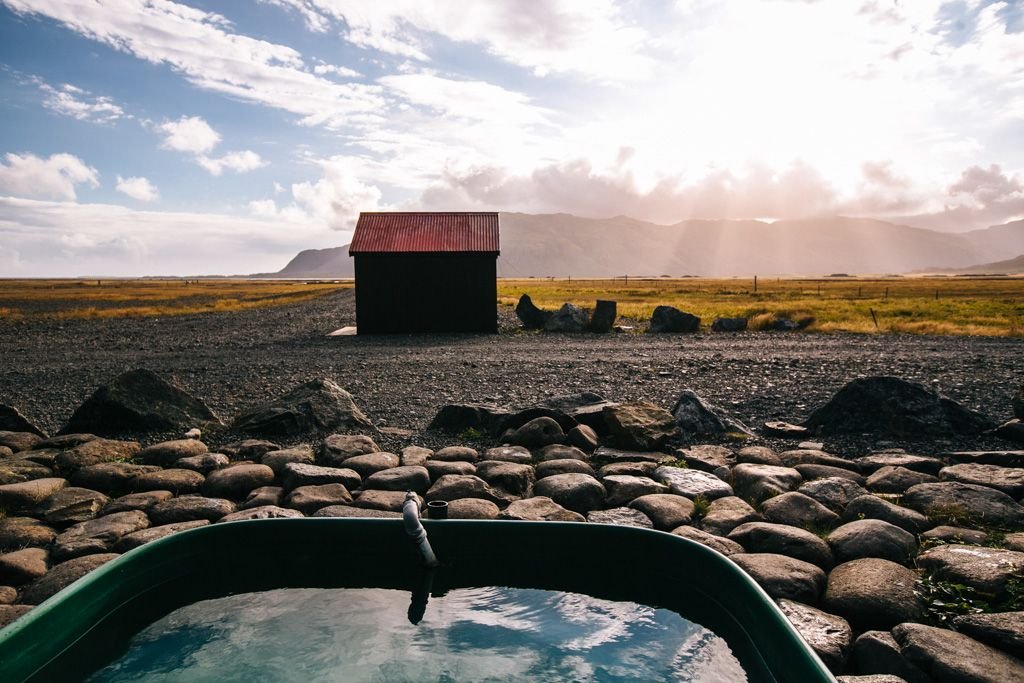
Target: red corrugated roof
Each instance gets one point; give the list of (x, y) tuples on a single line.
[(405, 232)]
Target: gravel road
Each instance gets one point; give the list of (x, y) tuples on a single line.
[(235, 361)]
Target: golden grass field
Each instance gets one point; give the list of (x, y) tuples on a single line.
[(70, 299), (915, 305)]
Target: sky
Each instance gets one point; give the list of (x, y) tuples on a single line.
[(152, 137)]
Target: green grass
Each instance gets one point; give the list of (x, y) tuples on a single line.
[(910, 305)]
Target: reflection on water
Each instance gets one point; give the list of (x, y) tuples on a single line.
[(478, 634)]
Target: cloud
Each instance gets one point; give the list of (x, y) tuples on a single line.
[(201, 46), (239, 162), (189, 134), (67, 239), (138, 188), (53, 178), (68, 100), (342, 71), (980, 197)]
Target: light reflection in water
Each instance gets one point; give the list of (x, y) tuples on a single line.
[(479, 634)]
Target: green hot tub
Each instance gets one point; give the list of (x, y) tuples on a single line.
[(683, 592)]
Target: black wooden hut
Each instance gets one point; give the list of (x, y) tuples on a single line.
[(426, 272)]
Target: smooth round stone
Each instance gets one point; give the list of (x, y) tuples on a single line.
[(439, 468), (166, 453), (872, 538), (783, 577), (667, 511), (203, 464), (62, 576), (144, 536), (514, 478), (516, 454), (472, 508), (872, 593), (716, 543), (21, 532), (796, 509), (174, 480), (237, 481), (550, 468), (369, 463), (558, 451), (136, 501), (539, 509), (71, 505), (407, 478), (456, 454), (725, 514), (620, 517), (188, 508), (577, 492), (828, 635), (781, 539), (277, 460)]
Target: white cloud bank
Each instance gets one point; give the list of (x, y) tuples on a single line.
[(194, 135), (137, 188), (69, 100), (56, 177)]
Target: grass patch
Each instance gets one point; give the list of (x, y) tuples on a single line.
[(906, 305), (472, 434), (701, 505), (102, 299), (945, 600)]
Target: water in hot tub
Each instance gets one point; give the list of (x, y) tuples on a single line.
[(473, 634)]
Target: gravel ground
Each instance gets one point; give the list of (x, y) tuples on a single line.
[(235, 361)]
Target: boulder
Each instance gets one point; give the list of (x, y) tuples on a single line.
[(953, 502), (577, 492), (19, 441), (1003, 631), (17, 471), (539, 509), (454, 486), (583, 437), (166, 453), (828, 635), (71, 505), (28, 494), (950, 656), (112, 478), (872, 538), (22, 566), (417, 456), (692, 483), (918, 463), (623, 489), (797, 509), (729, 325), (94, 452), (136, 501), (189, 508), (783, 577), (316, 406), (265, 496), (456, 454), (760, 482), (550, 468), (536, 433), (569, 318), (515, 479), (781, 539), (759, 455), (987, 570), (583, 408), (439, 468), (634, 469), (954, 534), (472, 508), (877, 654), (620, 516), (144, 536), (62, 576), (872, 593), (873, 507), (716, 543), (457, 418), (309, 499), (896, 479), (399, 479), (1012, 430), (697, 417), (140, 401), (727, 513), (174, 480), (337, 448), (365, 465), (707, 457), (892, 406), (23, 532), (389, 501), (97, 535), (1009, 480), (665, 510), (203, 464), (557, 451), (532, 317), (603, 317), (268, 512), (11, 420), (835, 493), (669, 319), (277, 460), (237, 481), (640, 426), (516, 454)]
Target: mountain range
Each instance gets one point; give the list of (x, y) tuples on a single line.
[(564, 245)]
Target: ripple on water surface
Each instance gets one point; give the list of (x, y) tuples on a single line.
[(476, 634)]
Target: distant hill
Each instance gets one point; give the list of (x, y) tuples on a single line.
[(562, 244), (1014, 266)]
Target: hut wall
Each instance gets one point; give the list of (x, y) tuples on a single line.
[(402, 293)]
